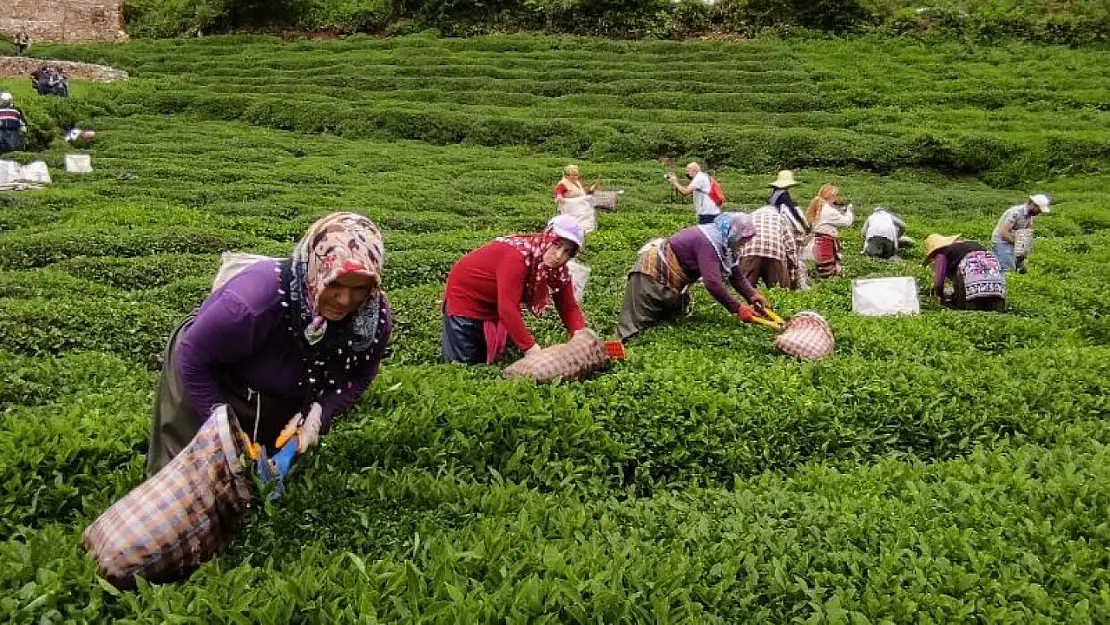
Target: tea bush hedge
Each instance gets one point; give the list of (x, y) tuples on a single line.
[(945, 467)]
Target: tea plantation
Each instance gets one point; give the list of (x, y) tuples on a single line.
[(946, 467)]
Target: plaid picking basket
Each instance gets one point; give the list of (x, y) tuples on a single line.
[(178, 519), (807, 336), (573, 360)]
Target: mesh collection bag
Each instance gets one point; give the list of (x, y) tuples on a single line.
[(807, 336), (178, 519), (573, 360)]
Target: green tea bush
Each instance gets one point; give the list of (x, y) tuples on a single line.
[(947, 466)]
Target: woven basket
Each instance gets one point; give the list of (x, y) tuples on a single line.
[(807, 336)]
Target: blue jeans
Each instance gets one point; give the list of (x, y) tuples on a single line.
[(1005, 253)]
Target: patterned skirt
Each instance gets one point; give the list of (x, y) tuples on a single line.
[(826, 253), (981, 277)]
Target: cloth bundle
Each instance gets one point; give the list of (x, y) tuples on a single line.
[(178, 519), (573, 360), (807, 336)]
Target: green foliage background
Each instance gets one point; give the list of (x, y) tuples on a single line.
[(947, 467)]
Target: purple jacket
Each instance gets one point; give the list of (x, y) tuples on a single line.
[(699, 259), (241, 336)]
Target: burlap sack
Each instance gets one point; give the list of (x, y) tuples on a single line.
[(807, 336), (573, 360), (178, 519)]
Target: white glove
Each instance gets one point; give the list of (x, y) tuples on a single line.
[(534, 349), (310, 430)]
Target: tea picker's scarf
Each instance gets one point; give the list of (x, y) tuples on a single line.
[(336, 245), (727, 231), (540, 281)]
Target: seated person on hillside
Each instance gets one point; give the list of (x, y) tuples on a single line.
[(487, 288), (658, 284), (977, 279), (12, 123), (279, 340), (49, 80), (881, 233), (571, 199)]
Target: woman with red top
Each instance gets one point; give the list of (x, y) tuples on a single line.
[(571, 198), (487, 288)]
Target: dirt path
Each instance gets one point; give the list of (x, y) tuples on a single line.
[(23, 66)]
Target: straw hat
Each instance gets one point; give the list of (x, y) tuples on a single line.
[(934, 242), (785, 179)]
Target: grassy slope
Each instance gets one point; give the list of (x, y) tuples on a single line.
[(948, 467)]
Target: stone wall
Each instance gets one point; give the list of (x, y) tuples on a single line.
[(63, 20), (11, 66)]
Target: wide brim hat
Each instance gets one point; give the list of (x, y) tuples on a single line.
[(936, 242), (785, 179), (1042, 201)]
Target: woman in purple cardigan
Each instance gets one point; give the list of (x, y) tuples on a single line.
[(659, 283), (281, 339)]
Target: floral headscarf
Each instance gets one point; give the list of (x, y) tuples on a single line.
[(337, 245), (726, 232), (540, 281)]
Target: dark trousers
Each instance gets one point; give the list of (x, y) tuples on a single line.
[(10, 141), (463, 340), (707, 219)]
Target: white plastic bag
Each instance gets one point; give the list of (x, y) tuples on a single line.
[(579, 275), (37, 173), (885, 296), (232, 263), (78, 163)]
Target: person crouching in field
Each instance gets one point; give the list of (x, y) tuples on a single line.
[(281, 339), (978, 282), (881, 233), (487, 288), (658, 283), (772, 254), (827, 219)]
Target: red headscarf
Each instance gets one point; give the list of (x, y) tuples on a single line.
[(541, 281)]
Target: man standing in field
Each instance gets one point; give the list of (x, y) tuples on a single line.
[(12, 123), (701, 186), (1016, 225)]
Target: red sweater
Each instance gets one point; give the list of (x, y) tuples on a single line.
[(488, 284)]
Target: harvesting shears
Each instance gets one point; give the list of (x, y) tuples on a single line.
[(761, 315), (276, 467)]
